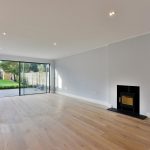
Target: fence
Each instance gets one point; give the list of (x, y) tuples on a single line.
[(36, 78)]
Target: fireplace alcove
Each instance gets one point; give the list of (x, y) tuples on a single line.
[(128, 101)]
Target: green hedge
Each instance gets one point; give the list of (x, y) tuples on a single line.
[(5, 88), (8, 84), (9, 87), (14, 87)]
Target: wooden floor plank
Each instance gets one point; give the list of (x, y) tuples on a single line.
[(55, 122)]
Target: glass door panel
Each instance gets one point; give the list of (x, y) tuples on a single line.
[(34, 78), (9, 78)]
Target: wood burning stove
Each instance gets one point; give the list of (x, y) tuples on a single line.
[(128, 101)]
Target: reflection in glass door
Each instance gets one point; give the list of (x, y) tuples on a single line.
[(34, 78)]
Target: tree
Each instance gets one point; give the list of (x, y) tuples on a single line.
[(25, 67), (42, 68), (10, 67), (34, 67)]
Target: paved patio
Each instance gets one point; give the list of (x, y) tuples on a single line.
[(24, 91)]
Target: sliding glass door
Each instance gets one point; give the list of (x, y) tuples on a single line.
[(34, 78), (9, 78), (22, 78)]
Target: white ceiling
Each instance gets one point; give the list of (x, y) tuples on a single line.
[(33, 26)]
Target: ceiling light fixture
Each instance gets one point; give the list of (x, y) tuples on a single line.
[(55, 44), (112, 13), (4, 33)]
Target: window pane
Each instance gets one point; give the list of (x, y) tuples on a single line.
[(9, 78), (34, 78)]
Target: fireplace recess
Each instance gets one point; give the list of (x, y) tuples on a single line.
[(128, 101)]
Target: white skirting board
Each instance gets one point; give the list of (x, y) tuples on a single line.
[(107, 105), (148, 115)]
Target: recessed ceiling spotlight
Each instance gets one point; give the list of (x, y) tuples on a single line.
[(4, 33), (54, 43), (112, 13)]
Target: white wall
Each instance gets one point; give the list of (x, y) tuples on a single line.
[(129, 64), (96, 74), (84, 75)]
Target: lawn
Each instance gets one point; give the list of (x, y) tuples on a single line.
[(8, 84)]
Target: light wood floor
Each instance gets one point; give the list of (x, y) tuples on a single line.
[(53, 122)]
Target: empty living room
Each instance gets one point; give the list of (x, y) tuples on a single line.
[(74, 75)]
